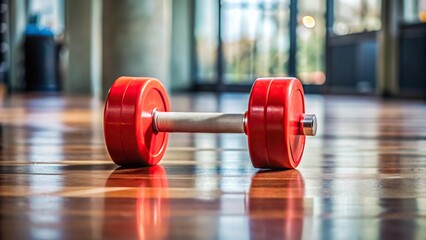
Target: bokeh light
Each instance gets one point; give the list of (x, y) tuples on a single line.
[(308, 21)]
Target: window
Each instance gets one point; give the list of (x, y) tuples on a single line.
[(311, 42), (255, 39), (414, 11), (206, 38), (50, 14), (354, 16), (238, 41)]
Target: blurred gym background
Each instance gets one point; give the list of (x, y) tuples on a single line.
[(80, 47)]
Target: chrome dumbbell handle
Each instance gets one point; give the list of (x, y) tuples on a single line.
[(206, 122)]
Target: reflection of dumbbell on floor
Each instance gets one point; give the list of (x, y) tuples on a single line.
[(137, 121)]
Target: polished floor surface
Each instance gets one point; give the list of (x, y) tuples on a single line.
[(362, 177)]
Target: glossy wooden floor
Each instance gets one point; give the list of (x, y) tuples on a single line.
[(362, 177)]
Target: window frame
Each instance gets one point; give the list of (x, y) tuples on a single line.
[(219, 84)]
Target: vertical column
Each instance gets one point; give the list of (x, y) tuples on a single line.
[(292, 71), (18, 20), (136, 40), (388, 48), (83, 37), (182, 29), (4, 48)]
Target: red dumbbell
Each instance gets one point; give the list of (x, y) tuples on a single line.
[(137, 121)]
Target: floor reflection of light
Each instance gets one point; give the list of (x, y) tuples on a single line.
[(205, 160), (235, 158), (45, 211), (240, 227), (46, 146), (17, 151), (421, 211), (338, 151), (96, 137), (96, 119)]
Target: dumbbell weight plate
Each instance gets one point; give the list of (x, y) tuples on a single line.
[(285, 109), (128, 128), (256, 123), (275, 109)]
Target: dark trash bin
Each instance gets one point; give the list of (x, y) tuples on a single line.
[(41, 63)]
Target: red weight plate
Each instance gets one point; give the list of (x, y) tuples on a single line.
[(112, 123), (285, 109), (129, 135), (256, 123)]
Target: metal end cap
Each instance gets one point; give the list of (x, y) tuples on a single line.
[(308, 125)]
